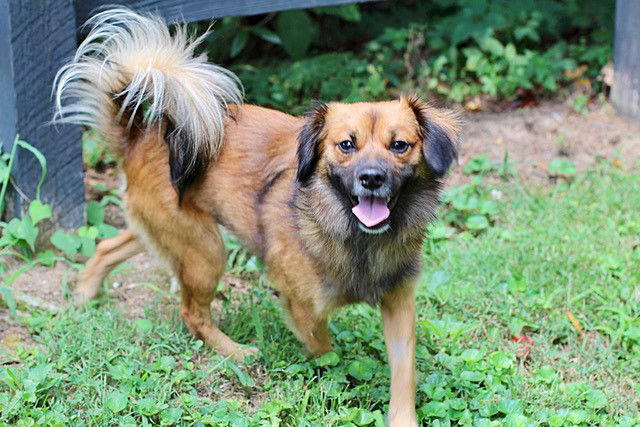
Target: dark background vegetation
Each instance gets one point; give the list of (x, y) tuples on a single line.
[(455, 49)]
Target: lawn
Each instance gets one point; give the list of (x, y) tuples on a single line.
[(529, 317)]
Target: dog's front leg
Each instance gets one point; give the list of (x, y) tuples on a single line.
[(399, 323)]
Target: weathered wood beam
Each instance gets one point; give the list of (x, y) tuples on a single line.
[(197, 10), (625, 94), (36, 38)]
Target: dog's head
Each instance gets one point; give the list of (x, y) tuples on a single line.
[(381, 162)]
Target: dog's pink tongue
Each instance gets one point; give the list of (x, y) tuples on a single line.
[(371, 210)]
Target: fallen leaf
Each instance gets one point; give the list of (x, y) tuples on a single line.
[(584, 83), (619, 164), (577, 73), (574, 321)]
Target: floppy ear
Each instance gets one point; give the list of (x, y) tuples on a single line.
[(439, 131), (308, 141)]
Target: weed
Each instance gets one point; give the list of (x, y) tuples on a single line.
[(580, 104), (471, 207), (562, 167), (21, 234)]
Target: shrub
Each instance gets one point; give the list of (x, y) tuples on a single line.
[(456, 48)]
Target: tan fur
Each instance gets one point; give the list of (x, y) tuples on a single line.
[(251, 184), (258, 144)]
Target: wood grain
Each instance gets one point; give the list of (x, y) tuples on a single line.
[(42, 36), (197, 10), (625, 93)]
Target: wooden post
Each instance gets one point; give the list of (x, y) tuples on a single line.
[(625, 94), (196, 10), (36, 38)]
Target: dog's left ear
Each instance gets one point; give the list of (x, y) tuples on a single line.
[(439, 130), (309, 141)]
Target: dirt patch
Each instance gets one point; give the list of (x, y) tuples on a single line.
[(43, 287), (12, 336), (139, 282), (533, 137), (132, 286)]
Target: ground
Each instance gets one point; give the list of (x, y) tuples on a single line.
[(534, 320)]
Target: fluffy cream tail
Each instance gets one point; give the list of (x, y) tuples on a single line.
[(130, 61)]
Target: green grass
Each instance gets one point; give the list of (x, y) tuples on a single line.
[(552, 256)]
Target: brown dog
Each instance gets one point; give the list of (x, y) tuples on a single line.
[(335, 203)]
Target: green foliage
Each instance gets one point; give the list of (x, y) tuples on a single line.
[(95, 152), (6, 165), (83, 240), (562, 167), (292, 32), (472, 207), (296, 31), (580, 103), (480, 165), (476, 295), (239, 259), (498, 47), (456, 48), (22, 233), (330, 76)]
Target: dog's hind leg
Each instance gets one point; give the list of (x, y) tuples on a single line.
[(200, 265), (109, 253)]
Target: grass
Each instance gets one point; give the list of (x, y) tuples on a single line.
[(559, 266)]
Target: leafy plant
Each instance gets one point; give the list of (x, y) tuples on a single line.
[(480, 165), (456, 48), (471, 207), (330, 76), (580, 103), (239, 259), (292, 32), (562, 167), (22, 233), (83, 241), (95, 151)]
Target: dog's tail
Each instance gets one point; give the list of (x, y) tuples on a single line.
[(131, 71)]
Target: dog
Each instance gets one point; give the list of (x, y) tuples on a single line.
[(335, 203)]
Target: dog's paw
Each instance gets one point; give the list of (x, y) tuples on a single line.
[(80, 298), (243, 353), (83, 293)]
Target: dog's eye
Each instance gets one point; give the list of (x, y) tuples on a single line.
[(346, 146), (399, 146)]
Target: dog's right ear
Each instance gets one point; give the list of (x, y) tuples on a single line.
[(308, 142)]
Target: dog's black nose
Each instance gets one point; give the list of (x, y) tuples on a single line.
[(372, 178)]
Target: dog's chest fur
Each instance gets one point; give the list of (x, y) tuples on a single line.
[(357, 267), (366, 267)]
